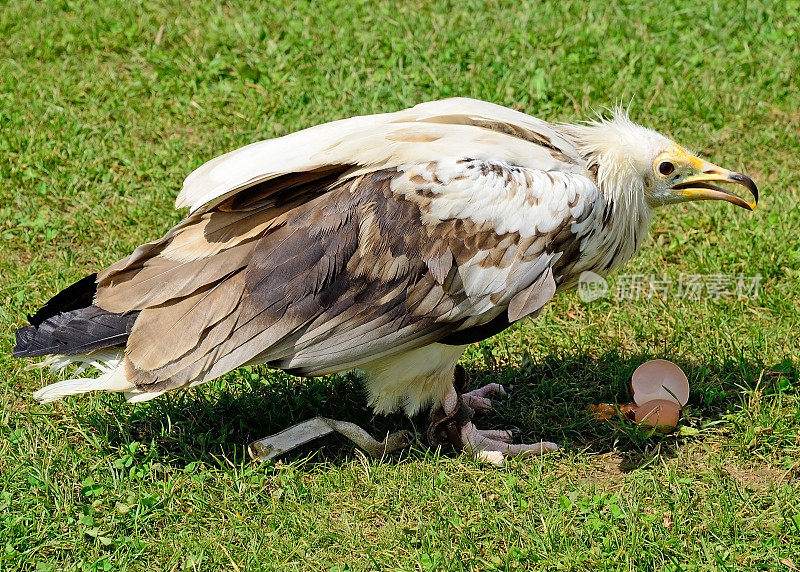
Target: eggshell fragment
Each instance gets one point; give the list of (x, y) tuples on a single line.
[(659, 413), (606, 411), (659, 379)]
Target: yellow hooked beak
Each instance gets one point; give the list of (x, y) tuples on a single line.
[(700, 187)]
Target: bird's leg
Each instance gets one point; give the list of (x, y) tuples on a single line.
[(452, 422)]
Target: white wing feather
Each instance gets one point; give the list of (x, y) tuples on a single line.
[(375, 141)]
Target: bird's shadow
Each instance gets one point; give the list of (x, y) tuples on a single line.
[(551, 396)]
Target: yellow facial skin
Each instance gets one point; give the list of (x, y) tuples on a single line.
[(691, 179)]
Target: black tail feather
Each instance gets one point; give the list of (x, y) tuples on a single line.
[(79, 295), (70, 324)]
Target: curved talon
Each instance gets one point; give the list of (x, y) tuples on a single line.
[(451, 422)]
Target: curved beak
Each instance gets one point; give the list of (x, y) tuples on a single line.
[(701, 187)]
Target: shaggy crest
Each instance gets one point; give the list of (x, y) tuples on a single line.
[(622, 153)]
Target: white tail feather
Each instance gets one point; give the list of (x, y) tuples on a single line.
[(137, 395), (113, 380), (110, 364), (103, 360)]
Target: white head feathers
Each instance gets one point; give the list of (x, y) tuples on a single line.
[(621, 152)]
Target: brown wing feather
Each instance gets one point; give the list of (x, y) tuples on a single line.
[(318, 278), (185, 260), (181, 324), (330, 283)]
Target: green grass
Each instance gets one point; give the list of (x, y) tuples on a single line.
[(105, 107)]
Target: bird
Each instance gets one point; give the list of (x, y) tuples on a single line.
[(383, 244)]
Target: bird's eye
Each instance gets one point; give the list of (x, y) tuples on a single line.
[(666, 168)]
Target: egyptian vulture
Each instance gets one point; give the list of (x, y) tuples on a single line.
[(383, 244)]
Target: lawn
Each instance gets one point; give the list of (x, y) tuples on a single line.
[(106, 106)]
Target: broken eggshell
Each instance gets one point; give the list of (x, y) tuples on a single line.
[(659, 413), (660, 379), (660, 389)]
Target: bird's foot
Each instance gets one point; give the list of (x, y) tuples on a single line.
[(479, 399), (452, 423), (494, 446)]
